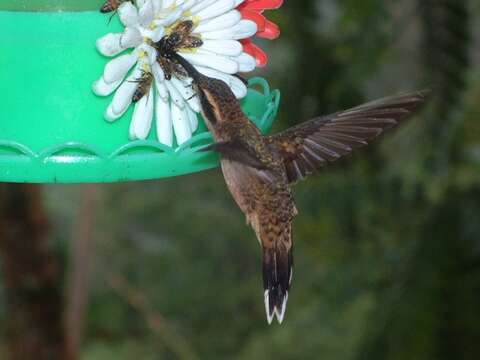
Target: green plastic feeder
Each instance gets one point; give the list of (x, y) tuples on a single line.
[(51, 124)]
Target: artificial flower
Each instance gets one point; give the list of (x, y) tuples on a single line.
[(253, 10), (137, 73)]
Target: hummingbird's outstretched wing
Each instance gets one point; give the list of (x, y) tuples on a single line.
[(309, 146)]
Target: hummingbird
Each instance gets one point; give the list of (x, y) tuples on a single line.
[(260, 170)]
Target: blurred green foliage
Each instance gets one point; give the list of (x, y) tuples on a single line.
[(387, 256)]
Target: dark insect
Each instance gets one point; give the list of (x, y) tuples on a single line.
[(170, 67), (112, 5), (144, 84), (180, 38)]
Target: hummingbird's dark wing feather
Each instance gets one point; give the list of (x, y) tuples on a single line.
[(236, 151), (308, 146)]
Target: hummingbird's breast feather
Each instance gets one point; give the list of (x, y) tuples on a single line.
[(258, 193), (241, 184)]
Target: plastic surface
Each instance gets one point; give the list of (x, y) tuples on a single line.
[(50, 5), (51, 124)]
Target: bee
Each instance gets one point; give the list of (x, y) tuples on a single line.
[(112, 5), (179, 38), (144, 84), (170, 67)]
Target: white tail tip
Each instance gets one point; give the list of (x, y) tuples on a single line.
[(277, 311)]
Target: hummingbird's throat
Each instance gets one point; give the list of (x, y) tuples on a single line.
[(211, 106)]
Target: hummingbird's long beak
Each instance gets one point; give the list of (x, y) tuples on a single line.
[(189, 68)]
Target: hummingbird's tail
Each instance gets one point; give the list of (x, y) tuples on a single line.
[(277, 275)]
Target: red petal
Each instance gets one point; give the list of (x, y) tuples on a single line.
[(260, 5), (245, 6), (255, 17), (256, 52), (252, 10), (271, 31)]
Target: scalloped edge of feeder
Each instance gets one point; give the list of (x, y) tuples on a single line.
[(74, 162)]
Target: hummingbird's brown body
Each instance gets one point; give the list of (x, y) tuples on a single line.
[(258, 182), (259, 170)]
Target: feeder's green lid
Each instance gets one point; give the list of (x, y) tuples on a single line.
[(50, 5), (51, 124)]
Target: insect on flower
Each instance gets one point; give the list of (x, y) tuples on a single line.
[(144, 84), (180, 38), (112, 5), (208, 33)]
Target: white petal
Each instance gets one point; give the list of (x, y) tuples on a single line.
[(156, 34), (117, 68), (109, 115), (151, 53), (238, 2), (167, 4), (222, 22), (163, 90), (164, 122), (192, 119), (194, 104), (128, 14), (157, 5), (158, 73), (170, 19), (109, 45), (123, 96), (146, 14), (242, 30), (131, 38), (217, 62), (140, 3), (187, 5), (185, 90), (187, 81), (181, 124), (238, 87), (218, 8), (246, 62), (223, 47), (102, 88), (214, 73), (142, 117), (177, 98), (202, 4)]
